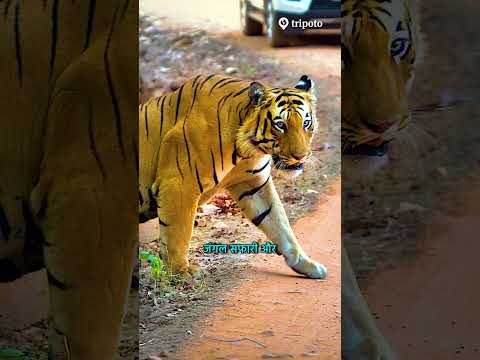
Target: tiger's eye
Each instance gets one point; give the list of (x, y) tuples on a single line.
[(280, 125)]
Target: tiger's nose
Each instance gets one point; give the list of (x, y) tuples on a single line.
[(299, 156)]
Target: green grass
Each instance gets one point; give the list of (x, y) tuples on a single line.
[(160, 284), (11, 354), (249, 70), (156, 265)]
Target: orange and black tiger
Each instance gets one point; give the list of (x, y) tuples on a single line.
[(214, 133), (382, 45), (68, 162)]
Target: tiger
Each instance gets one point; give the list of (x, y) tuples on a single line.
[(221, 133), (382, 46), (69, 163)]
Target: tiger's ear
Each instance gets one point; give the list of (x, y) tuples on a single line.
[(256, 92), (305, 84)]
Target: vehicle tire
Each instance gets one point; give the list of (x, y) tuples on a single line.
[(275, 34), (250, 26)]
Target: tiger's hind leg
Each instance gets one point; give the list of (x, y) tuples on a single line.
[(89, 255), (258, 199), (89, 219)]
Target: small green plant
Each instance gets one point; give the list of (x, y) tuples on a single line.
[(159, 279), (250, 71), (159, 283), (11, 354), (157, 267)]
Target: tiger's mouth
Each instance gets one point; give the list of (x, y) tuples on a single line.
[(376, 138), (280, 164)]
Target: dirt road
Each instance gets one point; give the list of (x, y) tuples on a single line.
[(313, 54), (428, 306), (276, 312)]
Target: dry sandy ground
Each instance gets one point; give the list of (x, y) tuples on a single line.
[(428, 305), (222, 18), (276, 312)]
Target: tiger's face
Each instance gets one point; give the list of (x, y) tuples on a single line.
[(284, 124), (379, 56)]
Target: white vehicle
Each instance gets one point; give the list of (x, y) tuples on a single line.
[(284, 17)]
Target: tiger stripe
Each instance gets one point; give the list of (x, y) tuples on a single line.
[(52, 280), (111, 88), (256, 171), (162, 223), (257, 220), (18, 51), (219, 132), (199, 182), (218, 83), (54, 32), (229, 82), (161, 115), (89, 25), (178, 164), (253, 191), (215, 177), (187, 148), (146, 120), (196, 85), (4, 225), (206, 80), (179, 99), (5, 10)]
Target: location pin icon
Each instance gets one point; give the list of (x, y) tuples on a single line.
[(283, 22)]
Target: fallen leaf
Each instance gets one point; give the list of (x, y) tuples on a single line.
[(310, 354), (268, 333)]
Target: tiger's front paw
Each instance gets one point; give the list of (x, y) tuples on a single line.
[(302, 264), (196, 271), (188, 272), (310, 268)]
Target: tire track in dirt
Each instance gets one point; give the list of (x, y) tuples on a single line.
[(276, 312)]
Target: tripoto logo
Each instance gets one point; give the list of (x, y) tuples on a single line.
[(283, 23), (300, 24)]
